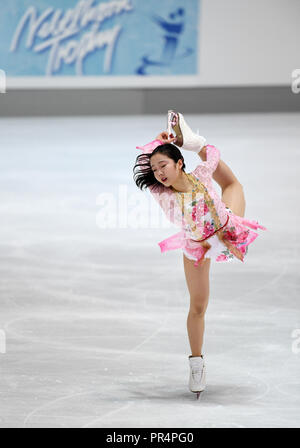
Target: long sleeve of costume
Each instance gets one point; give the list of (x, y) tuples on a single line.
[(206, 168)]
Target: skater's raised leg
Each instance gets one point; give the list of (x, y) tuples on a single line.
[(232, 190), (233, 197)]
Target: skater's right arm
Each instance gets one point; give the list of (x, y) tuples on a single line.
[(161, 139), (164, 137)]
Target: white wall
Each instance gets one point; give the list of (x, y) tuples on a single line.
[(249, 42)]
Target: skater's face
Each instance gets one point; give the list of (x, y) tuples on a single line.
[(165, 170)]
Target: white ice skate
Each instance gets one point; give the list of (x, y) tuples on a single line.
[(197, 375), (186, 138)]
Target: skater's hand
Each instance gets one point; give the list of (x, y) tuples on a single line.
[(166, 138)]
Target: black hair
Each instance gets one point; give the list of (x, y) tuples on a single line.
[(144, 176)]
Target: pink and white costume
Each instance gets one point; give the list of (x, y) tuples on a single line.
[(209, 229)]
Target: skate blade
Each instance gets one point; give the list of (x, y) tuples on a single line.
[(198, 394), (176, 127)]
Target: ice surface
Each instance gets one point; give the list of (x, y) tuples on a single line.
[(95, 319)]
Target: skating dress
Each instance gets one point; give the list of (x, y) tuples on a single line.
[(209, 229)]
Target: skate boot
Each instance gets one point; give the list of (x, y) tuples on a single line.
[(186, 138), (197, 375)]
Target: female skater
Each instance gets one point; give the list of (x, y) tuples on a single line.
[(211, 227)]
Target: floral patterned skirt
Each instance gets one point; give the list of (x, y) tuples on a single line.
[(236, 239)]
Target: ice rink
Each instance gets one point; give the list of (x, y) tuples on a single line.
[(93, 320)]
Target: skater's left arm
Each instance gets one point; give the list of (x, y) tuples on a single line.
[(223, 175)]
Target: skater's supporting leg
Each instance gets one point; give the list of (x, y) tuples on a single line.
[(232, 189), (197, 279)]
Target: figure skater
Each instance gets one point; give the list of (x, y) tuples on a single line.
[(211, 227)]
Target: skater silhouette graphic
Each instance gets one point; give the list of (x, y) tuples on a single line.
[(173, 28)]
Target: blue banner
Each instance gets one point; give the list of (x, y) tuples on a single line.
[(78, 38)]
